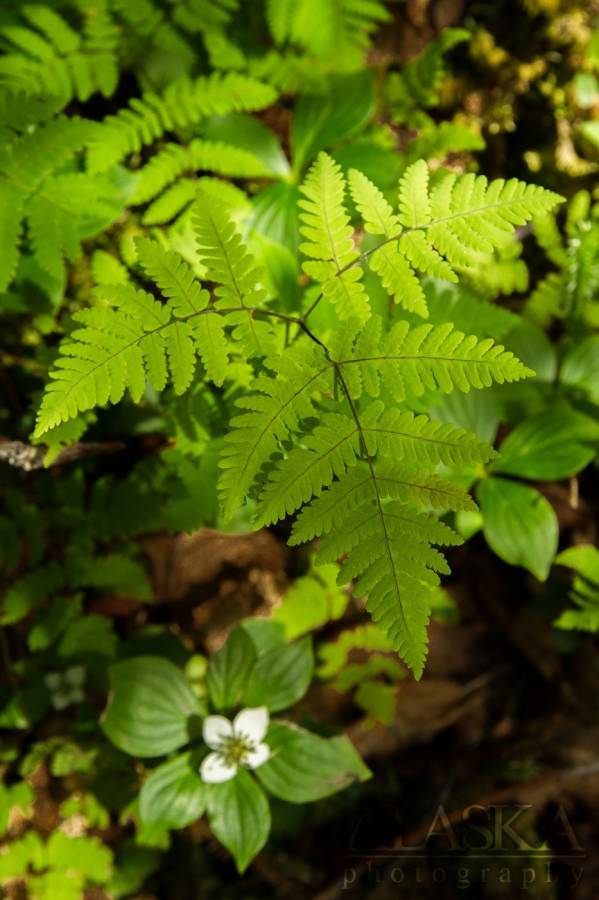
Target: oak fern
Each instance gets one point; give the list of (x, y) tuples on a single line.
[(326, 432)]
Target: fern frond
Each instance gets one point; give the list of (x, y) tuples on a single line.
[(451, 302), (402, 435), (350, 492), (343, 28), (173, 276), (175, 160), (174, 199), (34, 187), (326, 453), (183, 103), (328, 240), (239, 281), (436, 141), (334, 446), (417, 85), (134, 340), (178, 284), (271, 416), (50, 57), (441, 229), (408, 361), (367, 515), (388, 555)]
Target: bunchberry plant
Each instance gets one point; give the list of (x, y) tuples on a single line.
[(230, 761)]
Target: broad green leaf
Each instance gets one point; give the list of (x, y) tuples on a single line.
[(319, 121), (580, 368), (266, 634), (29, 591), (281, 676), (249, 133), (550, 446), (150, 707), (520, 525), (477, 412), (239, 816), (532, 346), (91, 635), (305, 767), (275, 215), (51, 620), (174, 795), (230, 668)]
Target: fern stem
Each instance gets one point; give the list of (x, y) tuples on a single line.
[(379, 505), (353, 409)]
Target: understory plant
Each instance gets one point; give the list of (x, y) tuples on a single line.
[(267, 273)]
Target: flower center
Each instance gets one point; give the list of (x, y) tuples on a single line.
[(235, 749)]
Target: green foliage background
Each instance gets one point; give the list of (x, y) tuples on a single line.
[(217, 221)]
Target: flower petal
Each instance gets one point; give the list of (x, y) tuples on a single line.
[(252, 723), (215, 729), (53, 680), (214, 769), (60, 700), (260, 754), (75, 676)]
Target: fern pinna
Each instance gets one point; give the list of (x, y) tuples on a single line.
[(326, 432)]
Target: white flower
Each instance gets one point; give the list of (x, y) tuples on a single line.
[(65, 687), (234, 744)]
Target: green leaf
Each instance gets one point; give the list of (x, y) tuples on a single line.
[(51, 620), (281, 676), (532, 346), (305, 767), (549, 446), (583, 558), (18, 796), (591, 132), (266, 634), (29, 591), (149, 707), (239, 816), (91, 635), (275, 215), (311, 602), (520, 525), (320, 121), (230, 668), (580, 368), (84, 854), (250, 134), (174, 795)]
